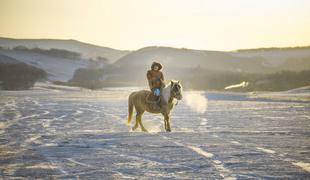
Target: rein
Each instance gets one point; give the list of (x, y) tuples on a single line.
[(171, 97)]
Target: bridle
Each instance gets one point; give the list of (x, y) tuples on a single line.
[(172, 91)]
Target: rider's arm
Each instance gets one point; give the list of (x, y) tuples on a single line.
[(150, 79), (148, 75)]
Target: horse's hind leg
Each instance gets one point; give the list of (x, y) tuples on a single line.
[(139, 119), (136, 124)]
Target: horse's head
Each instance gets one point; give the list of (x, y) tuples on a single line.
[(176, 90)]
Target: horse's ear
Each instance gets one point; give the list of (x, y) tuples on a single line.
[(178, 82)]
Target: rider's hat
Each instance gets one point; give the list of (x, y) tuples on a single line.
[(156, 64)]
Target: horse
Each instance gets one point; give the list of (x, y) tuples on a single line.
[(138, 100)]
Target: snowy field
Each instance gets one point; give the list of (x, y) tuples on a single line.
[(68, 133)]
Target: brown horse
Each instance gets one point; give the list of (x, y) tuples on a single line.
[(139, 101)]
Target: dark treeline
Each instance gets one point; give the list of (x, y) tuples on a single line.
[(197, 79), (86, 78), (217, 80), (272, 49), (19, 76), (52, 52), (205, 79)]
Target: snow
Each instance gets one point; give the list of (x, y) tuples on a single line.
[(64, 133), (241, 85), (87, 50), (266, 150), (300, 94), (58, 69), (202, 152), (305, 166)]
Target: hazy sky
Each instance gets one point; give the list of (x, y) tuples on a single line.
[(133, 24)]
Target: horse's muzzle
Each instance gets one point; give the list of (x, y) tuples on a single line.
[(179, 97)]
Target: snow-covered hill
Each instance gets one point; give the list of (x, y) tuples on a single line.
[(294, 59), (7, 60), (174, 60), (59, 69), (289, 59), (87, 50), (189, 58)]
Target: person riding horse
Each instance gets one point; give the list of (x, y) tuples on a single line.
[(156, 81), (163, 96)]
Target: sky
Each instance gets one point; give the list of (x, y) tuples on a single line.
[(133, 24)]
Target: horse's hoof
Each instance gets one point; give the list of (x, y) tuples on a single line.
[(133, 128), (144, 130), (168, 130)]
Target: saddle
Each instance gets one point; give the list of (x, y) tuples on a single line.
[(153, 101)]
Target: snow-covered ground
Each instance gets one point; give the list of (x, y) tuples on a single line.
[(71, 133), (298, 94)]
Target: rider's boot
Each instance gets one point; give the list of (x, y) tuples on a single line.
[(158, 103)]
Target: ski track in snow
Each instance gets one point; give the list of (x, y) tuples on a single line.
[(224, 172), (85, 136)]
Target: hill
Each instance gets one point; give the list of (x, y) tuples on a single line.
[(199, 69), (288, 58), (57, 68), (264, 60), (177, 61), (16, 75), (87, 50), (264, 68)]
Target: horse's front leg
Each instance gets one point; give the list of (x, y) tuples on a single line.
[(167, 122)]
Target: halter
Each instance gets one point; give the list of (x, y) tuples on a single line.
[(172, 92)]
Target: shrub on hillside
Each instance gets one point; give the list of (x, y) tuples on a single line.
[(52, 52), (19, 76), (87, 78)]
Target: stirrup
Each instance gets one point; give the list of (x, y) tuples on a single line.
[(156, 107)]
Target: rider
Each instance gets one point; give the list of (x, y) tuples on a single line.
[(156, 79)]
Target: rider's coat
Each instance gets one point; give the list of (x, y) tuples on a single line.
[(155, 78)]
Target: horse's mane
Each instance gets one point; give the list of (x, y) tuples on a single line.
[(166, 89), (174, 81)]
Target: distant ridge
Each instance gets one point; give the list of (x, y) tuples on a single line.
[(175, 60), (273, 49), (87, 50), (39, 43)]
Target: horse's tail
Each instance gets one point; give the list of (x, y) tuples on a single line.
[(130, 108)]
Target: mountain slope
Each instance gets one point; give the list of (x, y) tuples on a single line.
[(173, 58), (56, 68), (291, 58), (7, 60), (16, 75), (87, 50), (252, 61)]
